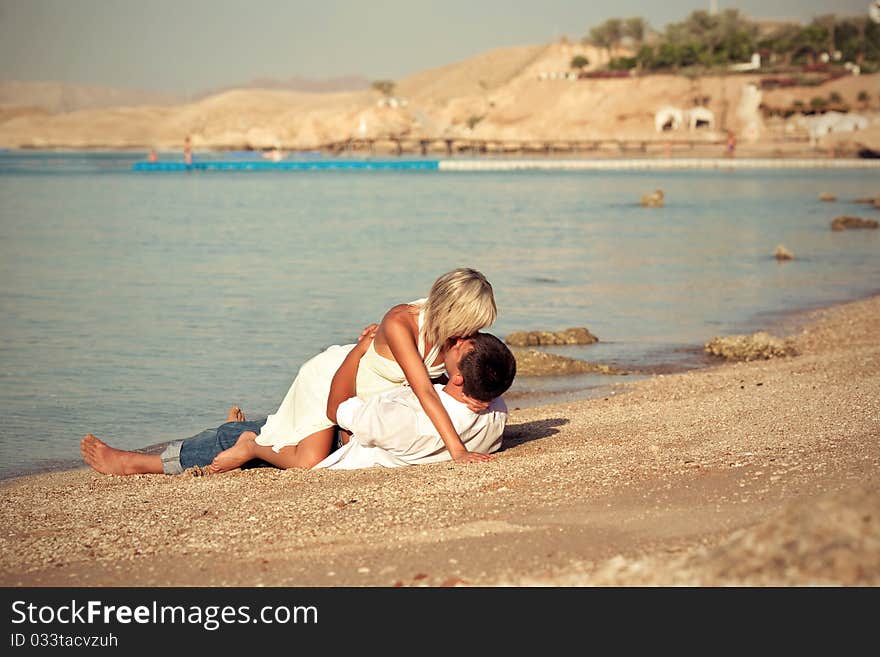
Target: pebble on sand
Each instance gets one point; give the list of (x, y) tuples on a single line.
[(758, 346), (844, 222), (783, 253)]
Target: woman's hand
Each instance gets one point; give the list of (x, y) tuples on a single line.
[(368, 332), (471, 457), (343, 385), (476, 405), (366, 337)]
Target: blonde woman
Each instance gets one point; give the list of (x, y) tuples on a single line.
[(407, 348)]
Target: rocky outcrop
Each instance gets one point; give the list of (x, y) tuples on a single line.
[(844, 222), (654, 200), (577, 335), (758, 346), (828, 197), (531, 362), (783, 253), (869, 200)]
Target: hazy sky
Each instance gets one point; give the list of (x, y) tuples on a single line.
[(186, 46)]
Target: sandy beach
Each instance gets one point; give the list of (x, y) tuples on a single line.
[(760, 473)]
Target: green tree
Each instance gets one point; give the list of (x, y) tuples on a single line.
[(713, 39), (871, 42), (384, 87), (669, 55), (622, 63), (614, 27), (863, 98), (811, 41), (635, 28), (781, 42), (817, 102), (579, 61), (473, 120), (829, 22), (645, 57), (856, 38), (719, 39), (607, 35)]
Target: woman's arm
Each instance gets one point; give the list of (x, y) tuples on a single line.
[(344, 382), (397, 331)]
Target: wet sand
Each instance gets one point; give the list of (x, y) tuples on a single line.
[(761, 473)]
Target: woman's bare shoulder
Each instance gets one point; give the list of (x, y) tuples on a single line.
[(399, 320), (401, 313)]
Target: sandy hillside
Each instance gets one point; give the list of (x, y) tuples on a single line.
[(502, 94)]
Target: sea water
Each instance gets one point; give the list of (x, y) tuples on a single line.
[(140, 306)]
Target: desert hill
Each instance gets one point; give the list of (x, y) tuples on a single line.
[(470, 77), (296, 83), (503, 94), (57, 97)]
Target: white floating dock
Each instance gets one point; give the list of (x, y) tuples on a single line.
[(656, 164)]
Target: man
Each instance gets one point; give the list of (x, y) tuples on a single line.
[(393, 430), (390, 429)]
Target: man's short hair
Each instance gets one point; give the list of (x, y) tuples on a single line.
[(488, 369)]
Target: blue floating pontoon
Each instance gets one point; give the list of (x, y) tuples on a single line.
[(315, 165)]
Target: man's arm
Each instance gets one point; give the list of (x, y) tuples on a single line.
[(344, 384)]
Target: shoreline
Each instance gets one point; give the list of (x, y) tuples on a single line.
[(703, 477), (324, 160), (778, 321)]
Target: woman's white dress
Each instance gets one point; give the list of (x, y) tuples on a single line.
[(304, 409)]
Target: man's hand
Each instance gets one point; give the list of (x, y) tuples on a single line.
[(476, 405), (471, 457)]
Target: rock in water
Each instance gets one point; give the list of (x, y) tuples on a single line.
[(531, 362), (654, 200), (578, 335), (782, 253), (758, 346), (870, 200), (844, 222), (828, 197)]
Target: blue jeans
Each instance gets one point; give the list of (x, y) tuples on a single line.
[(202, 448)]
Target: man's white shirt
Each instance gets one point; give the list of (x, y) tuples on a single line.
[(393, 430)]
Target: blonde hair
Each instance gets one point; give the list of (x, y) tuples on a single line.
[(460, 303)]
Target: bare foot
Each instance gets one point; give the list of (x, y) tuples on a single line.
[(235, 415), (236, 456), (102, 457)]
